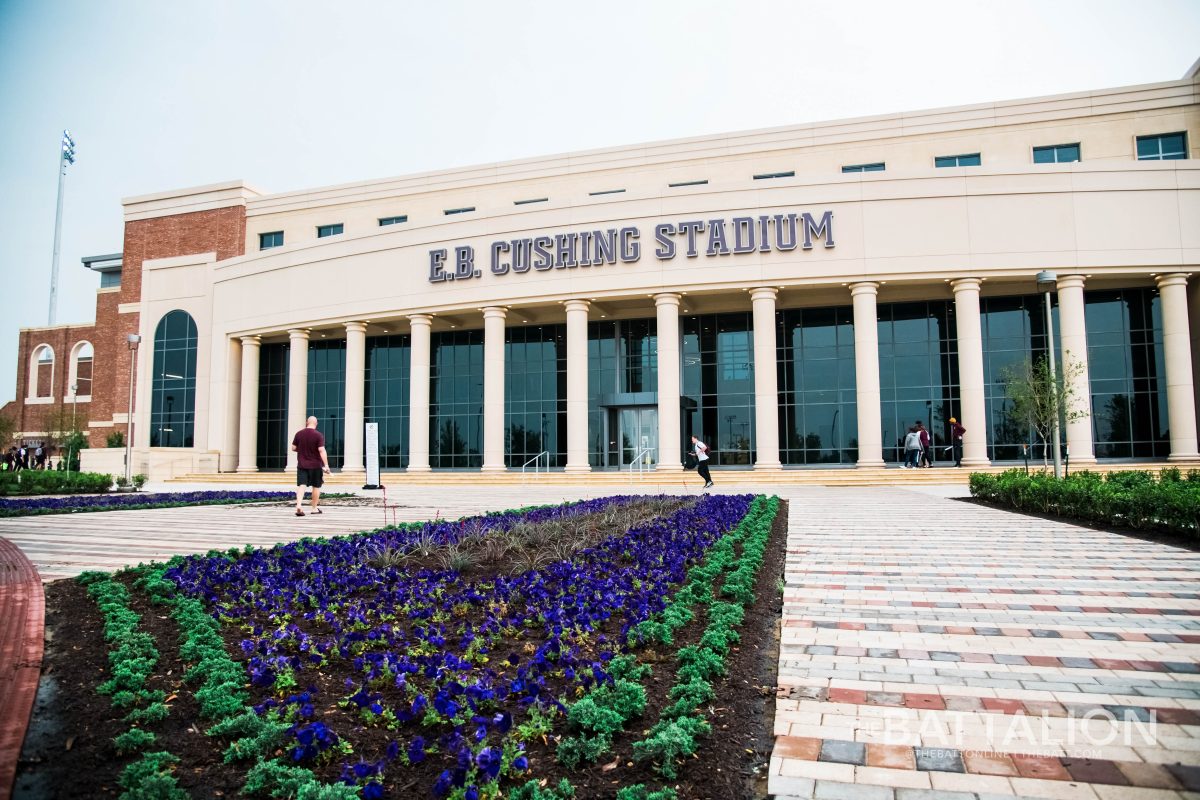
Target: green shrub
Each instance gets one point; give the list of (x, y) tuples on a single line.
[(1129, 499), (150, 778), (115, 439), (35, 482)]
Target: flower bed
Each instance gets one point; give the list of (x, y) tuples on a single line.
[(126, 502), (456, 684), (1134, 500), (574, 651)]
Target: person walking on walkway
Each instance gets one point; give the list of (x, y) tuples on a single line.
[(926, 459), (312, 462), (912, 448), (956, 436), (701, 450)]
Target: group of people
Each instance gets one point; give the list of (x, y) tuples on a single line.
[(19, 457), (918, 445)]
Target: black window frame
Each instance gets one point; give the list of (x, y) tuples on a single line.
[(262, 240)]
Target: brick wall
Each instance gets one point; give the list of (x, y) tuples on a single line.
[(221, 230)]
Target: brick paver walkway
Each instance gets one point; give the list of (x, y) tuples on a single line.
[(22, 607), (937, 649)]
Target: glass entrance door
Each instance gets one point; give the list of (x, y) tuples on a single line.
[(632, 436)]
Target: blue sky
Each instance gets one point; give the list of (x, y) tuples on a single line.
[(291, 95)]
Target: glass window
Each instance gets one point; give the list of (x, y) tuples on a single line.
[(769, 175), (451, 211), (393, 220), (110, 279), (965, 160), (876, 167), (1162, 147), (173, 381), (1056, 154), (687, 183), (605, 191), (268, 240), (329, 230), (622, 358), (456, 400), (84, 353), (326, 395), (718, 384), (531, 200), (387, 395), (274, 441), (816, 378), (535, 396)]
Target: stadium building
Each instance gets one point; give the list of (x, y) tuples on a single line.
[(795, 297)]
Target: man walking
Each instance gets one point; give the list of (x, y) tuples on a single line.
[(926, 459), (956, 434), (312, 462)]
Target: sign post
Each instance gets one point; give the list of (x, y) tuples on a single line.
[(371, 446)]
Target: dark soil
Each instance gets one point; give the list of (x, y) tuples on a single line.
[(68, 751), (1169, 538)]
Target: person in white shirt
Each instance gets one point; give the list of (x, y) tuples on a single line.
[(701, 450)]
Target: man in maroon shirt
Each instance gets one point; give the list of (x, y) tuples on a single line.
[(311, 464)]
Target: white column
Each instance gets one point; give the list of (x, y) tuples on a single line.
[(297, 388), (1193, 293), (972, 413), (1177, 352), (493, 389), (577, 386), (233, 401), (1073, 331), (418, 393), (356, 371), (766, 380), (866, 373), (248, 413), (670, 447)]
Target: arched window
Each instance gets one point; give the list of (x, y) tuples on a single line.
[(41, 371), (81, 370), (173, 382)]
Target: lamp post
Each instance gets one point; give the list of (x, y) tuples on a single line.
[(71, 444), (132, 340), (66, 155), (1047, 281)]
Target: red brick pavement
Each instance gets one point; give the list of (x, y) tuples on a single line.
[(22, 614)]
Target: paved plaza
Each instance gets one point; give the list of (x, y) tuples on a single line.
[(931, 649)]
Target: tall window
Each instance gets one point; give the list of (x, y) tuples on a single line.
[(456, 399), (918, 372), (718, 377), (1014, 332), (1056, 154), (964, 160), (81, 370), (1162, 147), (818, 406), (41, 372), (387, 395), (173, 381), (535, 393), (326, 395), (622, 368), (1127, 369), (273, 435)]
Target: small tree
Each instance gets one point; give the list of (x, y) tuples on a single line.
[(115, 439), (63, 427), (1039, 397)]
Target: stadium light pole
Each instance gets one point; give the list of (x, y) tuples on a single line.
[(66, 156), (133, 339)]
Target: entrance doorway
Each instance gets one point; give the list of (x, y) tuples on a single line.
[(632, 436)]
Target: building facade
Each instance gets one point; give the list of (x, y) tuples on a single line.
[(795, 296)]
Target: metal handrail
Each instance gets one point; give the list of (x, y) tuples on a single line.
[(637, 461), (537, 463)]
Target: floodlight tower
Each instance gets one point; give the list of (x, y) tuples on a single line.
[(66, 156)]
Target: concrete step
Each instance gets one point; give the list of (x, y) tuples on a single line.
[(843, 476)]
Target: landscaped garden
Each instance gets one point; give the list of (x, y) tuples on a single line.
[(1131, 500), (618, 647)]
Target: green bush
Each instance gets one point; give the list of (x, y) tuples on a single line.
[(36, 481), (115, 439), (1130, 499)]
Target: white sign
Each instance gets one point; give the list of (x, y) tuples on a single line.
[(371, 445)]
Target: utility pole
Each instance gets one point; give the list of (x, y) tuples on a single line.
[(66, 156)]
